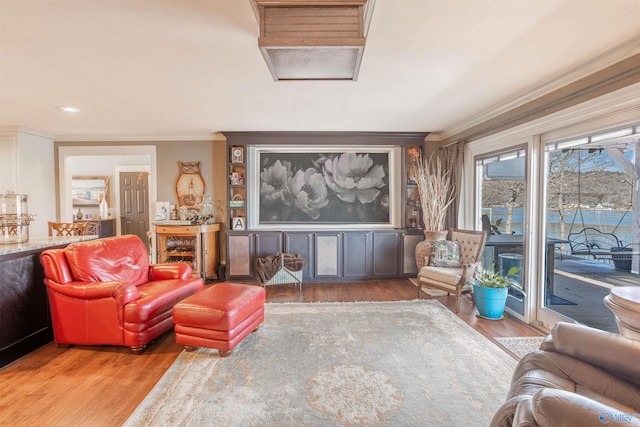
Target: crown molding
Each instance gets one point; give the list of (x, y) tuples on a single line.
[(323, 138), (433, 137), (608, 59), (14, 130), (618, 108), (215, 136)]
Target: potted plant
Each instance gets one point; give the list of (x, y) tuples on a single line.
[(490, 289)]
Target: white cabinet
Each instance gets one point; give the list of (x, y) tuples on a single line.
[(30, 169), (8, 164)]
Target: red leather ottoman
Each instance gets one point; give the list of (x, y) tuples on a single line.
[(219, 317)]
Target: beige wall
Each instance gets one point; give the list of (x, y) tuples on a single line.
[(168, 156), (213, 168), (213, 155)]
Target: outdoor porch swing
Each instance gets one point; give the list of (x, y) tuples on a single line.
[(593, 242)]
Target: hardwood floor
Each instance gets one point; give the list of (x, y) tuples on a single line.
[(101, 386)]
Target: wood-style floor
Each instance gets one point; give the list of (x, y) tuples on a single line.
[(101, 386)]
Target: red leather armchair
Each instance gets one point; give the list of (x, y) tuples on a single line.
[(105, 292)]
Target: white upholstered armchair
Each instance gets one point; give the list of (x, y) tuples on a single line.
[(451, 276)]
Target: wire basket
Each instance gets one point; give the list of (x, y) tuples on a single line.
[(237, 201)]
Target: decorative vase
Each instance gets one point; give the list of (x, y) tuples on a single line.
[(104, 208), (490, 302), (434, 235), (423, 249), (79, 215)]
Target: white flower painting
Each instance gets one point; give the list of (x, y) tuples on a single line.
[(327, 188)]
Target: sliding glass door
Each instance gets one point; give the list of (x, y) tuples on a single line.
[(548, 187), (501, 211), (591, 216)]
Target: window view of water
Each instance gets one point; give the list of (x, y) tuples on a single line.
[(595, 189), (619, 223)]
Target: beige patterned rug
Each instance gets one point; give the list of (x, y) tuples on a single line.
[(520, 345), (409, 363)]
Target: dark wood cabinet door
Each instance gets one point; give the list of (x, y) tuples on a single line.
[(107, 228), (301, 243), (357, 254), (385, 254), (268, 243)]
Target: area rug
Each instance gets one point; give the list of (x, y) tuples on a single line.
[(410, 363), (520, 345)]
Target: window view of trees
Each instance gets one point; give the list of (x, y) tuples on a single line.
[(503, 192), (585, 180), (592, 208), (507, 194)]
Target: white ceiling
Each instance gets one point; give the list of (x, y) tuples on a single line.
[(186, 68)]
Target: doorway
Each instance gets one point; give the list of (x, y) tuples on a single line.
[(107, 161), (134, 204)]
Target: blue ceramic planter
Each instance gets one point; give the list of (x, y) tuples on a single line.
[(490, 301)]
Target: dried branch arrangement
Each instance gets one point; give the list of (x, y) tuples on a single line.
[(435, 189)]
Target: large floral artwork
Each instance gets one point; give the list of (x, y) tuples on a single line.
[(325, 188)]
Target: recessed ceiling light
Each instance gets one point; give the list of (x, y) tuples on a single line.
[(69, 109)]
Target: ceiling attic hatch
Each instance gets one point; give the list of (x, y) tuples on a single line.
[(313, 40)]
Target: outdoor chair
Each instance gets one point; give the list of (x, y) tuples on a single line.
[(490, 228), (451, 274)]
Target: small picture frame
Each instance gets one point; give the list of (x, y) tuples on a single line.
[(237, 223), (163, 211), (234, 178), (237, 154)]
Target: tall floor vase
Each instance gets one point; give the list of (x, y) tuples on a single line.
[(423, 249)]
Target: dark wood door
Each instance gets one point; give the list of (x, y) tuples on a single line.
[(134, 204)]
